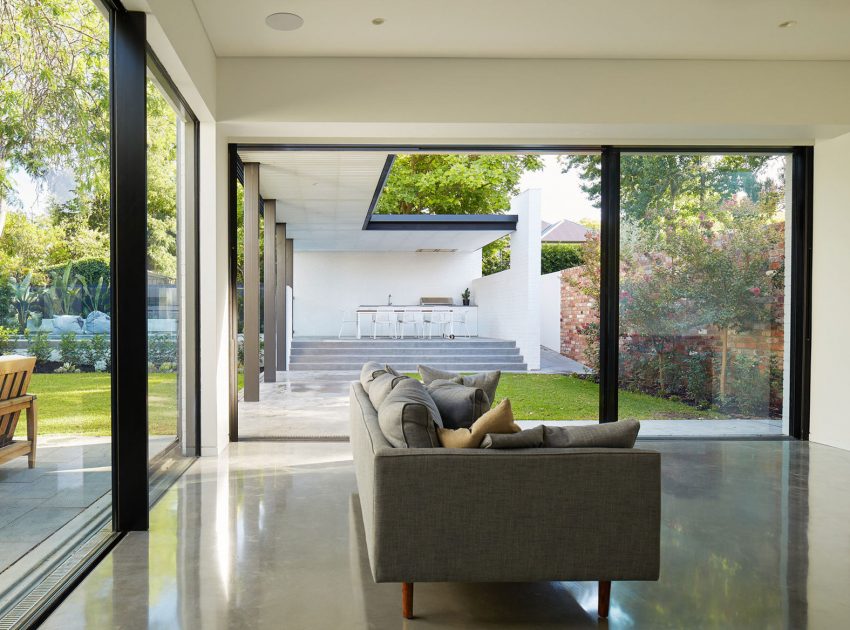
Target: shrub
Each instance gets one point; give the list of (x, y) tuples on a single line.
[(67, 368), (6, 343), (39, 346), (162, 348), (97, 351), (559, 256), (69, 349), (750, 387), (496, 256), (90, 270)]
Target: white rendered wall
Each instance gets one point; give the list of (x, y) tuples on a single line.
[(509, 301), (550, 311), (326, 282), (830, 413)]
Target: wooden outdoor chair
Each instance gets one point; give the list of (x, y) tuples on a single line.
[(15, 373)]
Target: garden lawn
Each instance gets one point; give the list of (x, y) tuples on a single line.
[(79, 404), (558, 397)]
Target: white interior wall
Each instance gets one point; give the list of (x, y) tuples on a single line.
[(830, 416), (550, 311), (327, 282), (509, 301)]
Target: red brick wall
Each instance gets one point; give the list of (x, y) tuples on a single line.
[(765, 341)]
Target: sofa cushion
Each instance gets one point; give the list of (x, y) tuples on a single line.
[(381, 387), (459, 405), (368, 373), (408, 416), (620, 434), (488, 381), (500, 419), (529, 438), (392, 370)]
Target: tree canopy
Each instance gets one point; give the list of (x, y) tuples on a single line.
[(454, 183)]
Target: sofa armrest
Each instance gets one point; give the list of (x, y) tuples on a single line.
[(520, 515)]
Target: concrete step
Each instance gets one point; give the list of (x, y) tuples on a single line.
[(401, 351), (402, 343), (411, 367), (410, 359)]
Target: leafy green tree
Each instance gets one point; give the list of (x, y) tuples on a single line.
[(654, 186), (54, 96), (454, 184), (162, 183)]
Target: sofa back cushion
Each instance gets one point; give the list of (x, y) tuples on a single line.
[(620, 434), (408, 416), (368, 373), (381, 386), (459, 405), (488, 381), (500, 419)]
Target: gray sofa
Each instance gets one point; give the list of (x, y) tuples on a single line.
[(488, 515)]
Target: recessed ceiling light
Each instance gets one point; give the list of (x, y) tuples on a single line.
[(284, 21), (378, 21), (787, 24)]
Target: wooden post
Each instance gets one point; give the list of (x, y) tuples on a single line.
[(251, 278), (269, 302), (604, 598), (32, 430), (407, 600), (280, 293)]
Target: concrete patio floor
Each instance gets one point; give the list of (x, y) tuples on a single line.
[(46, 506), (314, 405)]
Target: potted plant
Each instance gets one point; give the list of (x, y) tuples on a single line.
[(465, 297)]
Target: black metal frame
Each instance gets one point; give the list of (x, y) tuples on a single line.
[(802, 176), (609, 290), (128, 270), (801, 216), (235, 172)]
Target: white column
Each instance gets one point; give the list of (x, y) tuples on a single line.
[(525, 264)]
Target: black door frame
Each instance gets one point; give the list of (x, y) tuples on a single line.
[(801, 252)]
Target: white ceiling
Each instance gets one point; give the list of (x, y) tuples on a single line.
[(610, 29), (323, 197)]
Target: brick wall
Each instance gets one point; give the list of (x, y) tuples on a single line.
[(765, 341)]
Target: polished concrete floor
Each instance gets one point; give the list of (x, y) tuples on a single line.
[(755, 534)]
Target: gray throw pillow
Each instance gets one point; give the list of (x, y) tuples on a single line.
[(368, 373), (488, 381), (620, 434), (459, 405), (529, 438), (408, 416), (381, 387)]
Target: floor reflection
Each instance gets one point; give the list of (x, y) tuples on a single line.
[(754, 534)]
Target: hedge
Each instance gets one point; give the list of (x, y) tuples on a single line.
[(559, 256), (90, 269)]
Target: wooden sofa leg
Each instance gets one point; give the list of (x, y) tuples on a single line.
[(32, 430), (407, 600), (604, 598)]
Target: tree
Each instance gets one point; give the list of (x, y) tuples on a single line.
[(654, 186), (424, 183), (162, 183), (54, 96)]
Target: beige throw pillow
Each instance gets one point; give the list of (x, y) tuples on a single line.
[(500, 419)]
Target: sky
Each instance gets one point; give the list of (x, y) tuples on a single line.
[(562, 198)]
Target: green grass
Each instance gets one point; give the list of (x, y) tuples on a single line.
[(558, 397), (80, 404)]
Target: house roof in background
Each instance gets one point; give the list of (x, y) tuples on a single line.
[(565, 231)]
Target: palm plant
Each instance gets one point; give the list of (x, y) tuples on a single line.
[(95, 298), (24, 295), (64, 291)]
